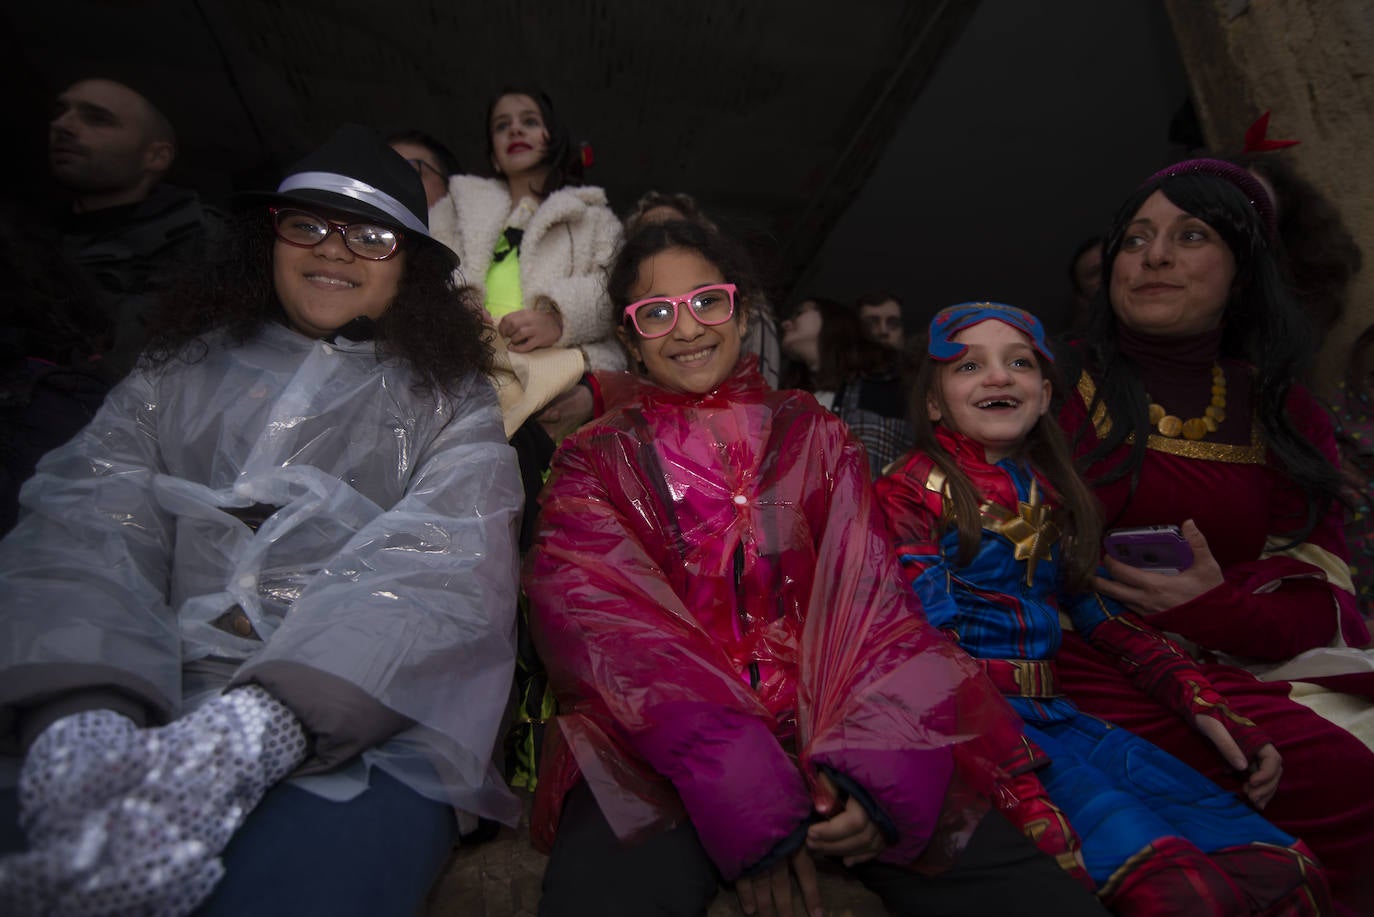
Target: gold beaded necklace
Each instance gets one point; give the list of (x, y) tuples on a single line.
[(1196, 427)]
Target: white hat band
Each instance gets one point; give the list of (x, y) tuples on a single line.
[(359, 191)]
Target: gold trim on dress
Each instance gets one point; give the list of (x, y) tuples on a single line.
[(1253, 454)]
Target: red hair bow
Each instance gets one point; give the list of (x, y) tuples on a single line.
[(1256, 142)]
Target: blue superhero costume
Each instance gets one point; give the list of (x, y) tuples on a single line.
[(1155, 835)]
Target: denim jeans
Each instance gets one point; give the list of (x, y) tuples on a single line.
[(375, 854)]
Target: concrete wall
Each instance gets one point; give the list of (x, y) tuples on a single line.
[(1312, 63)]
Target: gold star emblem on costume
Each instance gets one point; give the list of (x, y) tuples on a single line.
[(1030, 529)]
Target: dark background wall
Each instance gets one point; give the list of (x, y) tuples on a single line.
[(947, 149), (1039, 120)]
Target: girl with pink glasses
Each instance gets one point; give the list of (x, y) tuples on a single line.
[(744, 685)]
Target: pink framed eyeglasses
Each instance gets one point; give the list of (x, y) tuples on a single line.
[(713, 304)]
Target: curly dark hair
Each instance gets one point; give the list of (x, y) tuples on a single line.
[(680, 201), (564, 162), (649, 239), (1262, 326), (1318, 256), (432, 324)]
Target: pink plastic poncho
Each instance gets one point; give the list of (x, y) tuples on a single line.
[(720, 613)]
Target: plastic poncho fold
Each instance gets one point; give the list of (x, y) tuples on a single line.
[(385, 556), (720, 612)]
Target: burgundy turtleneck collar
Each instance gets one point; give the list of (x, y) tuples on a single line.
[(1177, 372), (1165, 356)]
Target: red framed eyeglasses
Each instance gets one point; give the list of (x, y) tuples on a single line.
[(304, 229)]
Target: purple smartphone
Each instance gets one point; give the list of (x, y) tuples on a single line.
[(1157, 548)]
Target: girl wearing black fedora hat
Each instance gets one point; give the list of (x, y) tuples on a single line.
[(245, 600)]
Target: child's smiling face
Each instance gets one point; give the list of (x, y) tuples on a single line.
[(692, 357), (995, 393)]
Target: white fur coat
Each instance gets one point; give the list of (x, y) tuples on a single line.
[(565, 249)]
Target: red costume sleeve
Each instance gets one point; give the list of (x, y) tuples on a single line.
[(1242, 620), (912, 512), (1160, 668)]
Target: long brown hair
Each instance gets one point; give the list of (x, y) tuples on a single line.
[(1045, 449)]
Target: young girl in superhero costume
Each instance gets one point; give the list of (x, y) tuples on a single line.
[(744, 683), (998, 535)]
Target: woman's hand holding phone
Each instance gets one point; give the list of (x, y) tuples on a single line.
[(1157, 548), (1148, 593)]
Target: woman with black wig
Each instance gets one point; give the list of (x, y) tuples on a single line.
[(1187, 414), (284, 548)]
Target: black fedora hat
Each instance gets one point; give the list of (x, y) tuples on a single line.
[(355, 173)]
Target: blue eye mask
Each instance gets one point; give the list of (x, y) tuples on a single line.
[(950, 321)]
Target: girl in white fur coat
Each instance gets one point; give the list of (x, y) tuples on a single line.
[(532, 242)]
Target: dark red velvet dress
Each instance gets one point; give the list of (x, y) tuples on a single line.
[(1270, 608)]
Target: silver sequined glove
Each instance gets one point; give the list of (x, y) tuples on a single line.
[(124, 820)]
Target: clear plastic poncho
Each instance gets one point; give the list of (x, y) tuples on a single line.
[(285, 502)]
